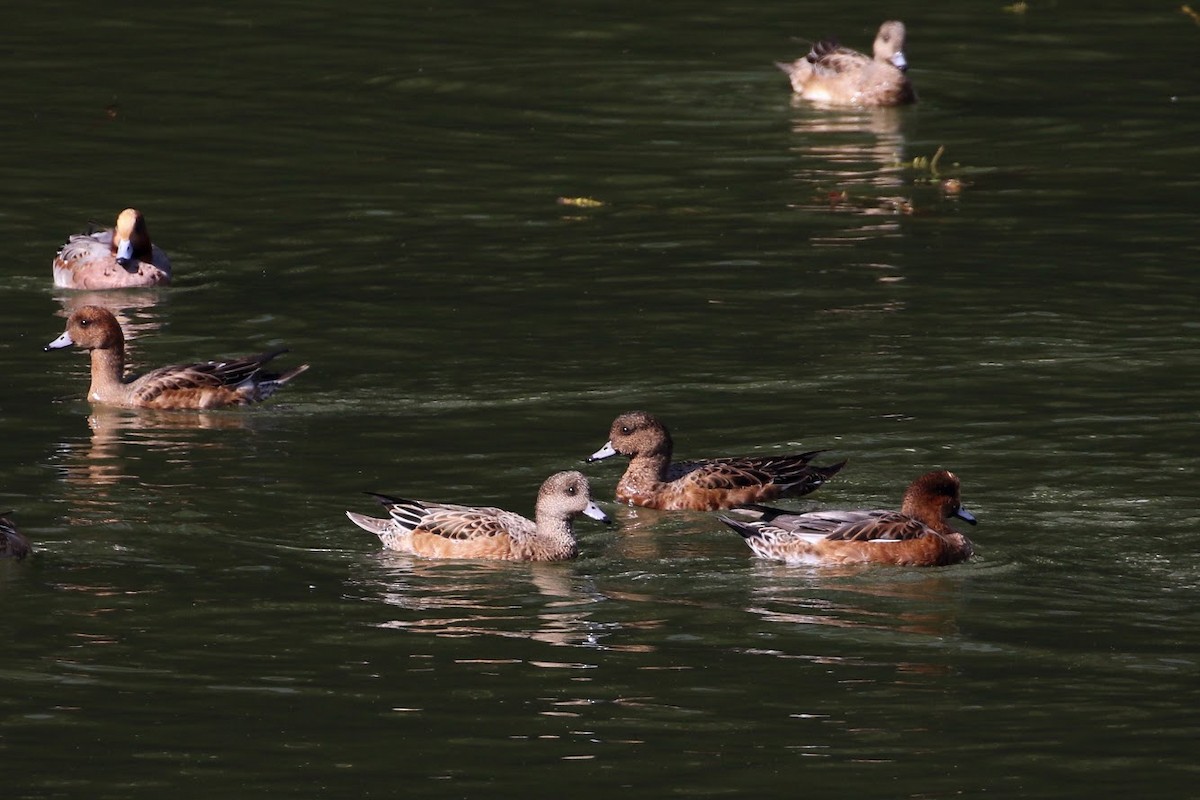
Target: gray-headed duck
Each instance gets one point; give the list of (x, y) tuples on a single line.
[(207, 384), (916, 536), (651, 480), (838, 76), (117, 258), (445, 530)]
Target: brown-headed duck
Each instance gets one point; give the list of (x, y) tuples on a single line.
[(916, 536), (203, 385), (651, 480)]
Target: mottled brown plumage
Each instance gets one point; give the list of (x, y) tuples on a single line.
[(447, 530), (202, 385), (116, 258), (916, 535), (834, 75), (653, 481)]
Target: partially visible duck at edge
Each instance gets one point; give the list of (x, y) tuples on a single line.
[(117, 258), (838, 76), (202, 385), (915, 536), (12, 543), (446, 530), (653, 481)]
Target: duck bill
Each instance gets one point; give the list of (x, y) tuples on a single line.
[(964, 515), (125, 252), (608, 451), (899, 62), (59, 343), (592, 510)]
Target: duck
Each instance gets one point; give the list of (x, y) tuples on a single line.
[(711, 484), (838, 76), (202, 385), (445, 530), (915, 536), (12, 543), (122, 257)]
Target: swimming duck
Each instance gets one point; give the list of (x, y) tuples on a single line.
[(834, 75), (445, 530), (917, 535), (651, 480), (203, 385), (116, 258), (12, 543)]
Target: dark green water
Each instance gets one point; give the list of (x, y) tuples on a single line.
[(375, 186)]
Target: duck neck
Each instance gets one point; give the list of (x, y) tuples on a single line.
[(556, 533), (108, 371), (654, 463)]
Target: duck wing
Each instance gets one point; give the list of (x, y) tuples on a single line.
[(447, 520), (828, 57), (790, 471), (866, 526), (846, 526), (203, 375)]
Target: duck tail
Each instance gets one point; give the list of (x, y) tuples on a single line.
[(370, 524), (799, 477), (291, 373), (746, 531), (828, 472)]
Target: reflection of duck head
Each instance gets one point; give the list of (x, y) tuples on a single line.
[(463, 598), (133, 308), (851, 163), (855, 148)]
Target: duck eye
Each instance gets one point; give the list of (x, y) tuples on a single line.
[(83, 323), (625, 429), (571, 490)]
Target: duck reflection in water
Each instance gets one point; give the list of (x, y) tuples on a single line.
[(914, 602), (852, 161), (465, 598), (650, 535), (135, 310), (108, 456)]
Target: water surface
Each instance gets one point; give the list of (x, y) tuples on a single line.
[(377, 188)]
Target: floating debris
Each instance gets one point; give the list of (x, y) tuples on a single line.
[(929, 165), (580, 202), (952, 186)]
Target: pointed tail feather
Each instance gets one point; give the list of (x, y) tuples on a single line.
[(809, 477), (386, 499), (828, 472), (291, 373), (757, 512), (370, 524), (740, 528)]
